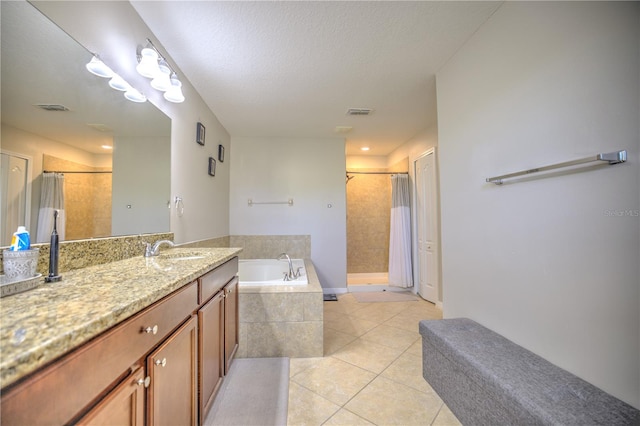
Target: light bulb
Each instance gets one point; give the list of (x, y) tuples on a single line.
[(161, 81), (134, 95), (97, 67), (174, 94), (148, 66), (119, 83)]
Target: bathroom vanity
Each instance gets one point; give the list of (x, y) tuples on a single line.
[(138, 341)]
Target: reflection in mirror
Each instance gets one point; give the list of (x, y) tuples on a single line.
[(59, 116), (14, 193)]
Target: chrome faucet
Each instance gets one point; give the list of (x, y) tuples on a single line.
[(150, 251), (291, 275)]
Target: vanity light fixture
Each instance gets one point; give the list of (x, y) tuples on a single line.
[(174, 94), (148, 63), (162, 81), (152, 64), (364, 148), (118, 83), (97, 67), (134, 95)]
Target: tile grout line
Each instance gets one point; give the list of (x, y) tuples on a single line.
[(378, 323), (377, 375)]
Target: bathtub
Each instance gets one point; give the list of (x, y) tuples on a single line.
[(267, 272)]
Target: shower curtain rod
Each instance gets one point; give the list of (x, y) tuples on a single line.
[(70, 171), (378, 173)]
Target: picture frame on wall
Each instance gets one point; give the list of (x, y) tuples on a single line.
[(200, 131), (221, 153), (212, 166)]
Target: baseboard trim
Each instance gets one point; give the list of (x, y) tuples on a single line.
[(375, 287), (339, 290)]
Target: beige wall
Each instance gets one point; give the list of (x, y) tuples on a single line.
[(550, 262), (308, 171), (369, 218)]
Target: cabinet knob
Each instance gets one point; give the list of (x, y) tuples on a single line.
[(161, 363), (145, 382), (151, 330)]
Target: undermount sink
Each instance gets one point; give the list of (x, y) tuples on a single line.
[(182, 255)]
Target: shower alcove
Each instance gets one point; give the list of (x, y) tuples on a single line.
[(368, 226)]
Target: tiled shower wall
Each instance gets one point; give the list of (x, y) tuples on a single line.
[(87, 199), (369, 218)]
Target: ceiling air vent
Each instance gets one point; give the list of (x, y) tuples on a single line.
[(52, 107), (359, 111)]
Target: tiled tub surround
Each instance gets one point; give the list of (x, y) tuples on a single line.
[(280, 321), (79, 254), (42, 324), (270, 246), (261, 246), (220, 242)]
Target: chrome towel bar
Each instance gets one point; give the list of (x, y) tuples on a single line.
[(610, 157), (289, 202)]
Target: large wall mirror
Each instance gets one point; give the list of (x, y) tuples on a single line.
[(57, 117)]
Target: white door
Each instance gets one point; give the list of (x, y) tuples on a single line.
[(427, 226)]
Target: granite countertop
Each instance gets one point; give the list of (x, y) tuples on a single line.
[(40, 325)]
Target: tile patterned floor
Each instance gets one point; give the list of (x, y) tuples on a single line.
[(371, 372)]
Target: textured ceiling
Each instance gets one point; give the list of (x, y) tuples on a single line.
[(292, 69)]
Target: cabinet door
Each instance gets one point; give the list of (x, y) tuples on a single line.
[(230, 322), (38, 399), (122, 406), (172, 367), (211, 351)]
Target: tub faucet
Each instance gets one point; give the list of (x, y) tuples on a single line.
[(290, 275), (150, 251)]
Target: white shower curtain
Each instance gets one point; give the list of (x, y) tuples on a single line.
[(400, 271), (51, 198)]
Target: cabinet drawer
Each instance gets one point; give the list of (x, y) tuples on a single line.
[(148, 328), (213, 281), (58, 393)]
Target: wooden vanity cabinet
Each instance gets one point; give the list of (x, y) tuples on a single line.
[(172, 368), (217, 330), (81, 380), (231, 319), (169, 384), (163, 365), (122, 406), (211, 351)]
